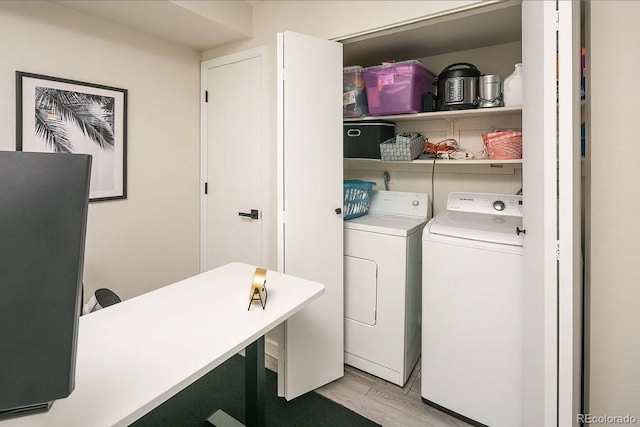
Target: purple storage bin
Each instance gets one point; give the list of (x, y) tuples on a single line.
[(397, 88)]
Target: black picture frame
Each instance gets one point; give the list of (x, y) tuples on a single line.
[(68, 116)]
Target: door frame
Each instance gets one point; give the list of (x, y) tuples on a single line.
[(258, 52), (570, 292)]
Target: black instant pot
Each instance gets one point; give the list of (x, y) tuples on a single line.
[(458, 86)]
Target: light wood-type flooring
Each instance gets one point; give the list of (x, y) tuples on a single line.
[(383, 402)]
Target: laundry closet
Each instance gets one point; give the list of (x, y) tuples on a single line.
[(312, 169), (490, 40), (386, 327)]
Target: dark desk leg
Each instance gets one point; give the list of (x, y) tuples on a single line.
[(254, 384), (254, 390)]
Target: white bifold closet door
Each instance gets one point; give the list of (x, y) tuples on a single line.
[(552, 316), (310, 224)]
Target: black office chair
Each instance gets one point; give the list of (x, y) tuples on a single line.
[(100, 299)]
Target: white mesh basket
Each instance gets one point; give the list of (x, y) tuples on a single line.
[(403, 147)]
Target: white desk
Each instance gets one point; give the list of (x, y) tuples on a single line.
[(135, 355)]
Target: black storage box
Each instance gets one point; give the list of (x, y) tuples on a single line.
[(362, 139)]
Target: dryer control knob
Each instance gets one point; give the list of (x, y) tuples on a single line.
[(498, 205)]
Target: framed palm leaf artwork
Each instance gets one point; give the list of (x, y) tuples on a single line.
[(67, 116)]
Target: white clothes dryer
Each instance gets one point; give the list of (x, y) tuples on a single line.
[(382, 282), (472, 309)]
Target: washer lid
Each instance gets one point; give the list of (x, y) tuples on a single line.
[(394, 225), (499, 229)]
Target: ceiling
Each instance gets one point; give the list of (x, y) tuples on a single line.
[(203, 25), (199, 25)]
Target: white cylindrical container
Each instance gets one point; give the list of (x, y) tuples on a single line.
[(512, 87)]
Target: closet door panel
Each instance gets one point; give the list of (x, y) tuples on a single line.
[(310, 226)]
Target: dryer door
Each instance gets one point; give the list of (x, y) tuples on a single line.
[(360, 289)]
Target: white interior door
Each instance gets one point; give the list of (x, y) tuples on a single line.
[(310, 225), (233, 171), (569, 227)]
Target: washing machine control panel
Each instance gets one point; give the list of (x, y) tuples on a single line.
[(485, 203)]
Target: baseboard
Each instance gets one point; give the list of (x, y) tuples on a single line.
[(271, 347)]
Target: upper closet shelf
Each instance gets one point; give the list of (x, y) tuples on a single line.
[(352, 162), (441, 115)]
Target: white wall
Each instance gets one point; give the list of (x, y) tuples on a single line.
[(152, 238), (614, 342)]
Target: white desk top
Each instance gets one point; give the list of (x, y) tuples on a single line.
[(135, 355)]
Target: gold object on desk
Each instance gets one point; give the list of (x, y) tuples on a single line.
[(258, 290)]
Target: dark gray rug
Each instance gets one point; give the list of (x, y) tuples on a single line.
[(223, 388)]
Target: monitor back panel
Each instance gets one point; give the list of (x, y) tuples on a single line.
[(43, 216)]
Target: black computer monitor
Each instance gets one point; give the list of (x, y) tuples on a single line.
[(43, 219)]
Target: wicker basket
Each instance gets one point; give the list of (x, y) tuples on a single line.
[(503, 145), (403, 147), (357, 197)]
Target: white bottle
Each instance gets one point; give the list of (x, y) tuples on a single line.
[(512, 88)]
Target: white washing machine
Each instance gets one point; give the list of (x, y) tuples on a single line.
[(382, 282), (472, 309)]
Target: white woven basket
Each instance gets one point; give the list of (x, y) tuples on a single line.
[(403, 147)]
